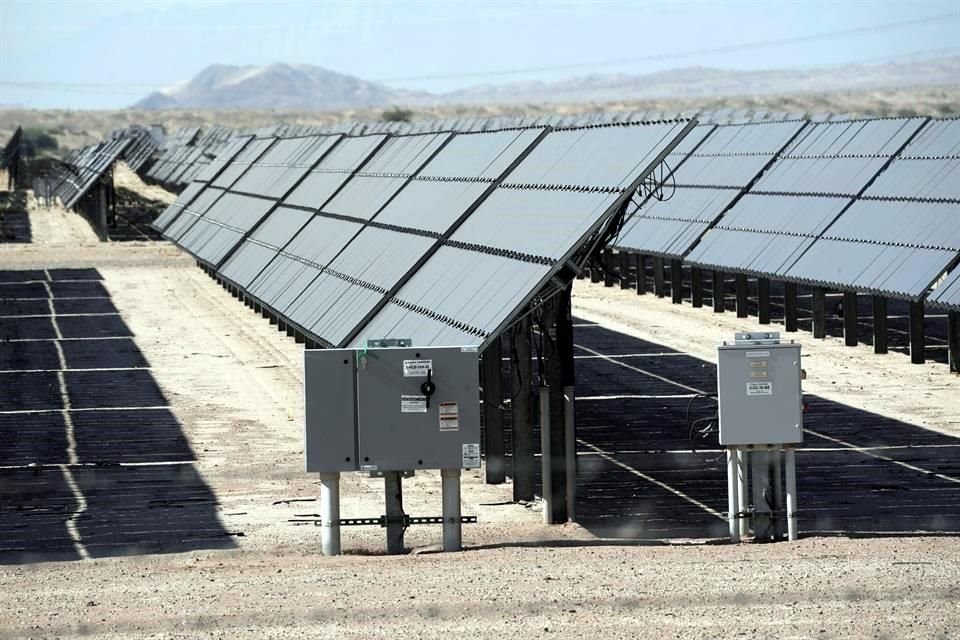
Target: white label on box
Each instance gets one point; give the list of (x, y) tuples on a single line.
[(413, 404), (758, 374), (758, 354), (471, 455), (468, 349), (416, 368), (759, 388), (449, 416)]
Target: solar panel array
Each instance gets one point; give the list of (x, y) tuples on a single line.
[(442, 237), (812, 182), (711, 169), (141, 148), (73, 179), (903, 232)]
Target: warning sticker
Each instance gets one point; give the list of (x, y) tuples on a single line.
[(416, 368), (759, 388), (413, 404), (449, 416), (471, 455)]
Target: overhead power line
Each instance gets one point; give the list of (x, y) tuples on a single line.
[(662, 57)]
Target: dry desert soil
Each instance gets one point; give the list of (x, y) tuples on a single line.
[(221, 558)]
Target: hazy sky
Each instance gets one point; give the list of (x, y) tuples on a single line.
[(109, 54)]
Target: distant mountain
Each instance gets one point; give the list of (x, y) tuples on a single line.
[(704, 82), (276, 86), (310, 88)]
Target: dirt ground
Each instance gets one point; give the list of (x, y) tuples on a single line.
[(234, 384)]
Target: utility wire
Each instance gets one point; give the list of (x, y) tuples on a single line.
[(659, 57)]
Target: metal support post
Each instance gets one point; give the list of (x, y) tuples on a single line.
[(733, 503), (596, 274), (775, 455), (570, 441), (850, 318), (917, 339), (609, 273), (330, 513), (101, 212), (624, 258), (763, 300), (659, 286), (741, 280), (760, 475), (561, 380), (450, 487), (743, 473), (717, 282), (546, 459), (791, 469), (641, 274), (879, 324), (790, 306), (953, 340), (521, 410), (696, 287), (819, 312), (676, 282), (393, 492), (496, 468)]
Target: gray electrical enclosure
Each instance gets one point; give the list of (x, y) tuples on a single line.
[(758, 381), (391, 409)]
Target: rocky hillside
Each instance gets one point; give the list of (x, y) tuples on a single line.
[(309, 88)]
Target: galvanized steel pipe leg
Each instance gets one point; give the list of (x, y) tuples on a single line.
[(546, 462), (776, 453), (330, 514), (570, 437), (733, 503), (450, 481), (742, 489), (791, 469)]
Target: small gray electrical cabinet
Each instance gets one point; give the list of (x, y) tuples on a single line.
[(391, 409), (758, 385)]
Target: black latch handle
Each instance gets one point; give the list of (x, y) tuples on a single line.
[(428, 388)]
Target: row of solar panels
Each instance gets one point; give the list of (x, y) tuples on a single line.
[(186, 153), (11, 150), (142, 146), (73, 178), (443, 238), (866, 205)]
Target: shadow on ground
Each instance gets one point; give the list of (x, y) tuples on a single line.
[(134, 213), (92, 461), (859, 473), (14, 221)]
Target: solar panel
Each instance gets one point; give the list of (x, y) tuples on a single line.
[(255, 254), (72, 182), (817, 176), (947, 293), (369, 265), (172, 212), (543, 213), (902, 234), (712, 168)]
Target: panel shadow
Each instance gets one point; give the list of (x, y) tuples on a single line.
[(92, 461), (859, 473)]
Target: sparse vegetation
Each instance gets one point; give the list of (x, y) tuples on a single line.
[(37, 141), (81, 128), (397, 114)]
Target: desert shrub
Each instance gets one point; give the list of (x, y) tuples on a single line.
[(35, 141), (397, 114)]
